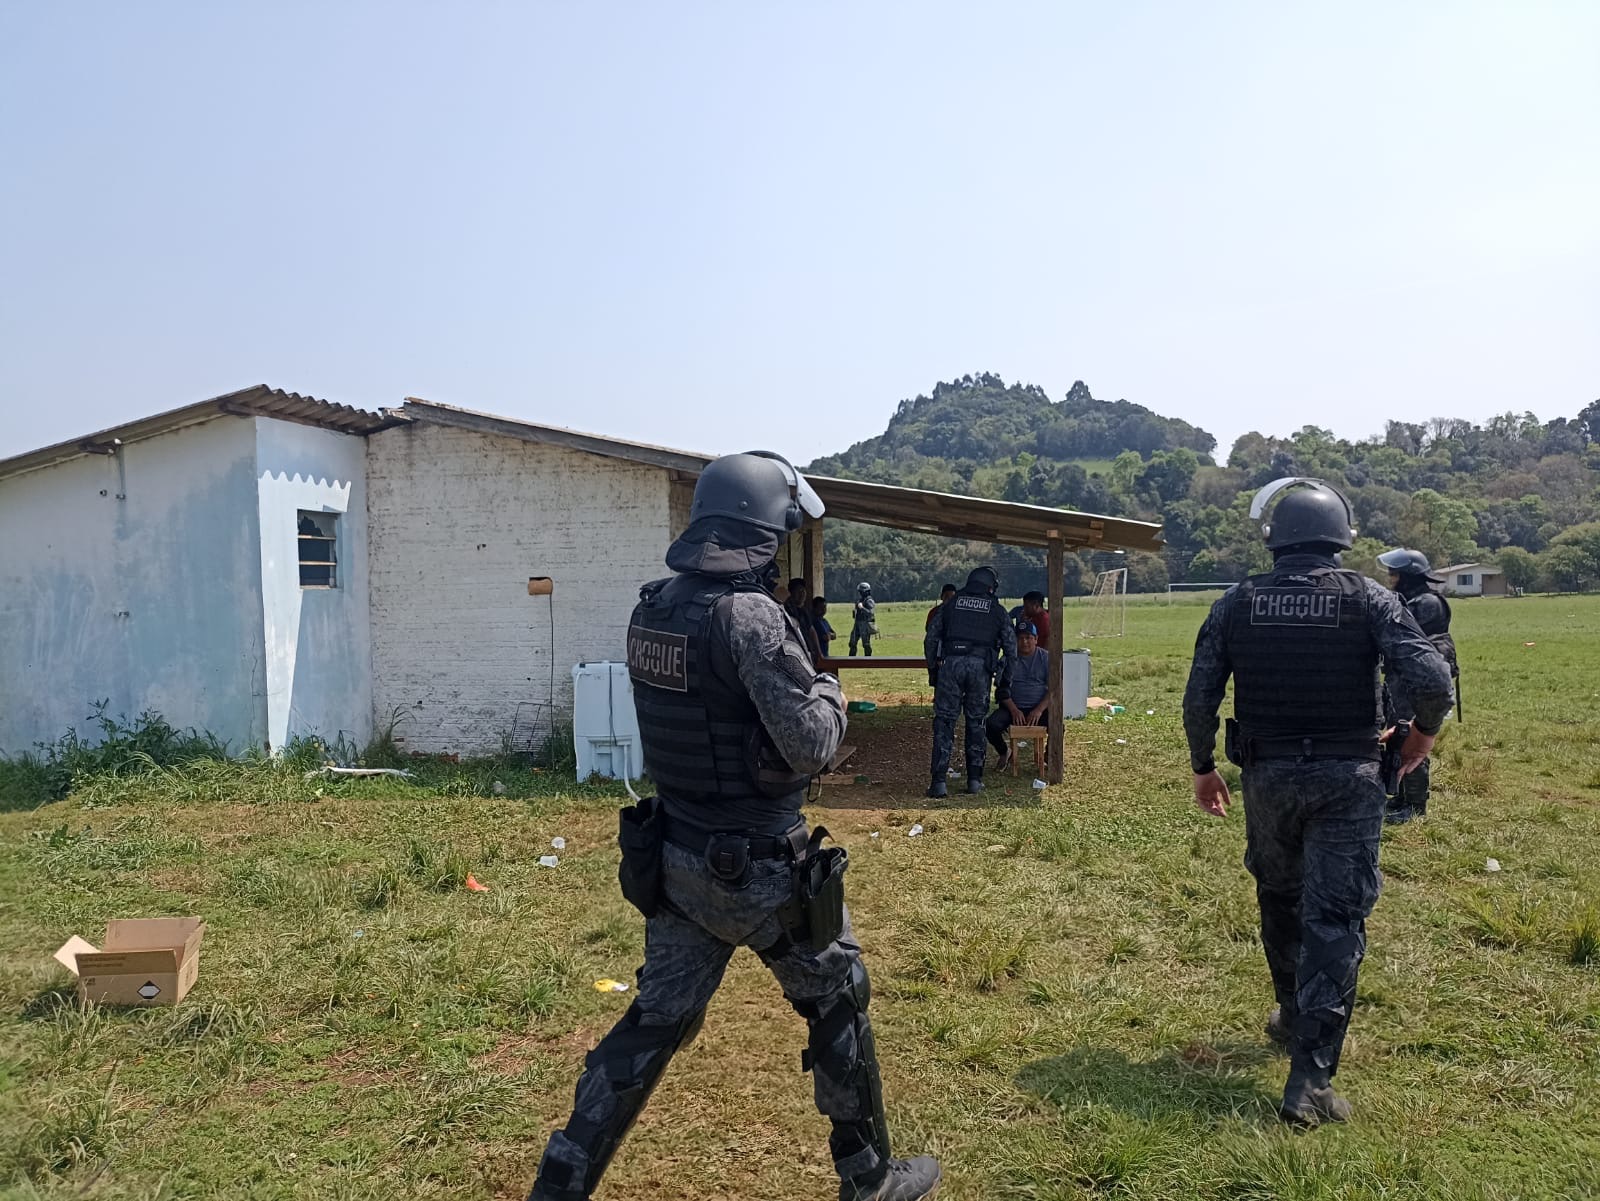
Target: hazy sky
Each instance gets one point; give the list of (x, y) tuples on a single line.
[(724, 225)]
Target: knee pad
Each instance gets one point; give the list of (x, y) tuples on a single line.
[(851, 1063)]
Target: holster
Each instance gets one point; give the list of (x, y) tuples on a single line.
[(639, 834), (1233, 742), (814, 915)]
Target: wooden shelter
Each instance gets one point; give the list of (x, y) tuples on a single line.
[(1053, 530)]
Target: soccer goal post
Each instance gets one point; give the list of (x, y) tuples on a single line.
[(1206, 586), (1107, 613)]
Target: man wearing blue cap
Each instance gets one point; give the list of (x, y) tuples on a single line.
[(1023, 692)]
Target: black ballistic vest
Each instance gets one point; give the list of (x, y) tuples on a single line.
[(1304, 662), (1432, 612), (972, 624), (703, 737)]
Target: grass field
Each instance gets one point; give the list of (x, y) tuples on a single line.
[(1068, 987)]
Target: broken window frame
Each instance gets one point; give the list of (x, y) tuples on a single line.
[(324, 569)]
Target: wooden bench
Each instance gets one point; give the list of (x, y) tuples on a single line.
[(1038, 736)]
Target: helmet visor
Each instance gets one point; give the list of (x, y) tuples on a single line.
[(809, 500), (1259, 504), (810, 503)]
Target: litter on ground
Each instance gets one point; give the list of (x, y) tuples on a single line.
[(1040, 786), (548, 861), (914, 831), (473, 885), (609, 985), (1491, 865), (559, 843)]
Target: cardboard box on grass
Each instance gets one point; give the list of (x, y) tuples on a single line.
[(146, 961)]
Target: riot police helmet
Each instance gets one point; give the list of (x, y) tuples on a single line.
[(1309, 512), (1404, 562), (983, 580), (863, 587), (758, 488)]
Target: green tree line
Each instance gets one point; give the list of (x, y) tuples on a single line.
[(1515, 491)]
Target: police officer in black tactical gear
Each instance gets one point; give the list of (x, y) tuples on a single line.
[(1411, 576), (1302, 643), (962, 649), (734, 721)]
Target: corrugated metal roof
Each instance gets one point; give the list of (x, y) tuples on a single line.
[(890, 505), (982, 520), (259, 401)]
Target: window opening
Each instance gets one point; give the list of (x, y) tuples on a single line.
[(319, 543)]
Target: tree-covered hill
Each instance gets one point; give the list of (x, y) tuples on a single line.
[(1516, 490)]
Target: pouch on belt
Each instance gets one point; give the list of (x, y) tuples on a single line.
[(639, 834)]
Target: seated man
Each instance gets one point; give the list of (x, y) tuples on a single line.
[(1023, 692)]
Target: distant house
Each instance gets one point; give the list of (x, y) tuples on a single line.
[(1473, 579)]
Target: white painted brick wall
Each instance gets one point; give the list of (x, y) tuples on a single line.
[(457, 522)]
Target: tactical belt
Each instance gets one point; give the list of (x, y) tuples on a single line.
[(1306, 749), (789, 845), (958, 650)]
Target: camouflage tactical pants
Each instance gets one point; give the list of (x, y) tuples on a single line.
[(964, 683), (861, 633), (1311, 837), (686, 953)]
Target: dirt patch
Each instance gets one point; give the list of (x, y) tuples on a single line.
[(893, 747)]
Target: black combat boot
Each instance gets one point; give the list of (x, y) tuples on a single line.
[(1309, 1099), (906, 1180), (937, 788), (974, 784)]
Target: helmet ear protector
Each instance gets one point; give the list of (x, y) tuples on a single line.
[(803, 501)]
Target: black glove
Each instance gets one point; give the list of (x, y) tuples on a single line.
[(933, 677)]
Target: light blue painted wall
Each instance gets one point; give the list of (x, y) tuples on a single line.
[(135, 578), (317, 640)]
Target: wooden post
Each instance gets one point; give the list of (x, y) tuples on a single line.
[(811, 541), (1056, 585)]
